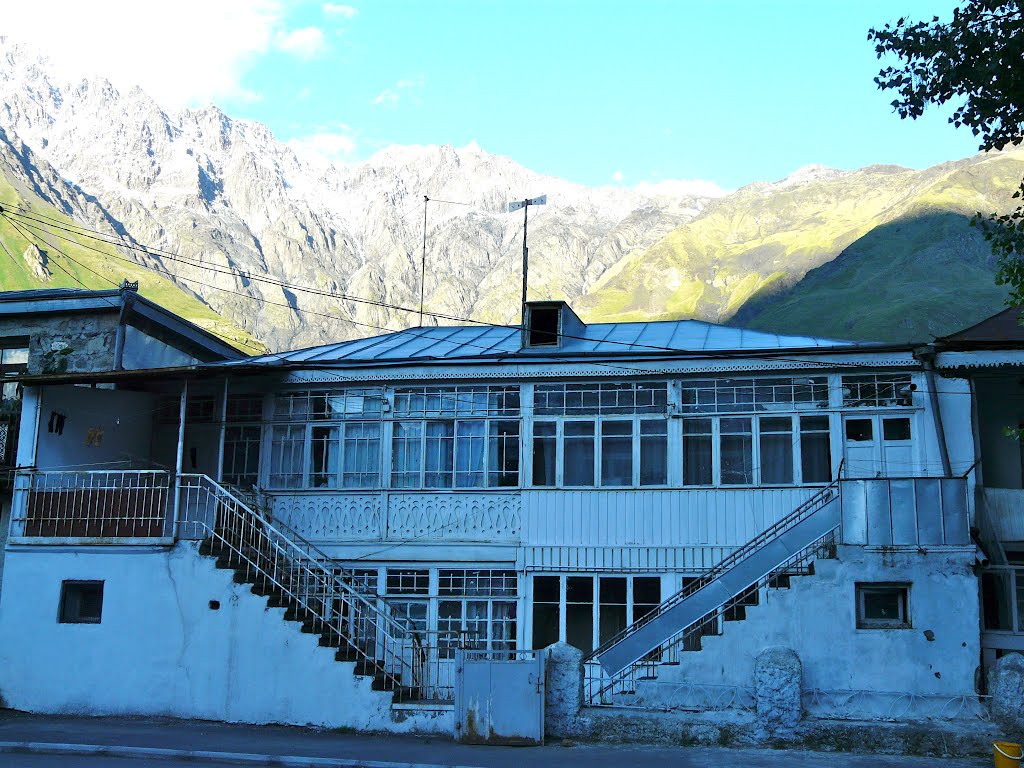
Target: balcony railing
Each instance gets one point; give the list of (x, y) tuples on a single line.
[(105, 504)]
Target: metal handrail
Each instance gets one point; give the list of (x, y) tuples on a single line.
[(812, 504), (626, 679), (390, 648)]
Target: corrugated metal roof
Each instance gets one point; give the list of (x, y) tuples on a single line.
[(479, 341)]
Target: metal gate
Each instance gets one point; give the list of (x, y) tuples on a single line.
[(499, 697)]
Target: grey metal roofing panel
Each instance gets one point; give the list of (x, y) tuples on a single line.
[(478, 341)]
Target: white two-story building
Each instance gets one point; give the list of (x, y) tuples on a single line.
[(668, 497)]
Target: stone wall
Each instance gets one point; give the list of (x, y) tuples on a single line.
[(62, 343)]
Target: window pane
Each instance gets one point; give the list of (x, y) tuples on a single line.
[(859, 430), (242, 454), (544, 444), (697, 452), (503, 625), (503, 461), (654, 452), (325, 447), (815, 449), (287, 456), (776, 445), (361, 455), (896, 429), (439, 454), (407, 454), (737, 452), (616, 453), (578, 453), (469, 458)]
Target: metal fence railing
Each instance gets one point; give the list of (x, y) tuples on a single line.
[(92, 504), (412, 662)]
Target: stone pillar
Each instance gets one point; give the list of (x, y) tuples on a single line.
[(1006, 685), (563, 689), (778, 686)]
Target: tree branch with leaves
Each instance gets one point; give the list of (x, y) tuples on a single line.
[(976, 62)]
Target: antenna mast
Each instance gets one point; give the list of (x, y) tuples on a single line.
[(525, 205), (423, 261)]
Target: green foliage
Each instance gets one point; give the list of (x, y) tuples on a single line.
[(975, 61)]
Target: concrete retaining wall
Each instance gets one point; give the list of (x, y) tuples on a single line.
[(161, 649)]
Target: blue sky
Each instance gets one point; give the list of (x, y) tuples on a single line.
[(595, 92)]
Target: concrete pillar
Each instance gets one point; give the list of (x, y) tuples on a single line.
[(1006, 686), (563, 689), (778, 686)]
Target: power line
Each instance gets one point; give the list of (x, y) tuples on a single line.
[(157, 252)]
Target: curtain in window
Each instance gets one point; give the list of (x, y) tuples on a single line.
[(469, 457), (815, 450), (361, 455), (439, 449), (653, 452), (697, 452), (578, 453), (287, 456), (503, 625), (776, 443), (406, 454), (616, 453)]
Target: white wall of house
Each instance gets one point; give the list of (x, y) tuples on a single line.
[(161, 650), (101, 428), (817, 618)]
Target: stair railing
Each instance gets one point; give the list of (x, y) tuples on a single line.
[(599, 686), (279, 559), (799, 514)]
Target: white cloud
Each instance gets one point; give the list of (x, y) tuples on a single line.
[(682, 188), (342, 11), (305, 43), (390, 97), (617, 177), (184, 53), (325, 147)]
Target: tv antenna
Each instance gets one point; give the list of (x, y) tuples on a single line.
[(525, 205)]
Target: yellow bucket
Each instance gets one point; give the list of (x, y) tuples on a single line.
[(1006, 754)]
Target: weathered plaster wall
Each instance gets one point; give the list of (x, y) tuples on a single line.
[(59, 343), (161, 650), (816, 617), (101, 426)]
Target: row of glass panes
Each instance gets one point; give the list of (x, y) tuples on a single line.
[(719, 450), (600, 398), (605, 452), (738, 395), (473, 453), (722, 395)]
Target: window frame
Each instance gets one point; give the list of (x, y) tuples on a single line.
[(902, 589), (65, 614)]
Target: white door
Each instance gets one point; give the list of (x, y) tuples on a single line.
[(878, 445)]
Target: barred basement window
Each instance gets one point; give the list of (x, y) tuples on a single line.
[(81, 602), (883, 606)]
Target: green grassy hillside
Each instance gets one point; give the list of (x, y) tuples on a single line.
[(33, 259), (882, 253)]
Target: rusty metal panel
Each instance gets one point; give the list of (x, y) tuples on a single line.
[(929, 513), (903, 502), (499, 697), (878, 512), (855, 524), (954, 512)]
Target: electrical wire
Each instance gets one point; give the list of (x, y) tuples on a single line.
[(39, 225)]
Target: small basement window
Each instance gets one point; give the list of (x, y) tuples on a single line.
[(543, 326), (883, 606), (81, 602)]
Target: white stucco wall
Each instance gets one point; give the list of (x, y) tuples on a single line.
[(161, 650), (816, 617), (123, 417)]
